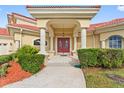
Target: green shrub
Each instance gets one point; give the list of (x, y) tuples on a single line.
[(107, 58), (13, 56), (111, 58), (31, 63), (27, 49), (5, 59), (3, 69), (29, 59), (88, 57)]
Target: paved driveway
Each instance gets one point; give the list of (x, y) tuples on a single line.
[(60, 73)]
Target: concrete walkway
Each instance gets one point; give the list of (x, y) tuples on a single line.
[(59, 73)]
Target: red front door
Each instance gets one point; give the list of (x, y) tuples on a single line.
[(63, 45)]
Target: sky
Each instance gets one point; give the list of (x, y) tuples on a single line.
[(106, 13)]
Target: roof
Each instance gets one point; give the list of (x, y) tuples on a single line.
[(4, 31), (55, 6), (25, 26), (33, 19), (103, 24)]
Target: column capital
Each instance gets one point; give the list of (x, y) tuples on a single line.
[(43, 28), (51, 34), (83, 28), (75, 34)]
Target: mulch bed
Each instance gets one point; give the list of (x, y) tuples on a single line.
[(14, 73)]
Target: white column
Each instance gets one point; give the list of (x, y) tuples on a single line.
[(103, 44), (75, 43), (83, 38), (51, 43), (42, 41)]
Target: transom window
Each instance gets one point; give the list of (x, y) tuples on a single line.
[(115, 41)]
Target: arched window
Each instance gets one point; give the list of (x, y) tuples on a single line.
[(37, 42), (115, 41)]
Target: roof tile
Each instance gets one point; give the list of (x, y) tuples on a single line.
[(26, 26), (4, 31), (115, 21)]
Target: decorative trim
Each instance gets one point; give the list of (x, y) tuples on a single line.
[(54, 6), (33, 19), (43, 28)]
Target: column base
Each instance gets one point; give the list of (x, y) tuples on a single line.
[(74, 53), (43, 52), (51, 54)]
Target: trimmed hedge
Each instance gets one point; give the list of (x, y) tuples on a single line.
[(5, 59), (95, 57), (27, 49), (31, 63), (29, 59), (88, 57)]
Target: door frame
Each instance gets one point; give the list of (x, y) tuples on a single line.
[(56, 44)]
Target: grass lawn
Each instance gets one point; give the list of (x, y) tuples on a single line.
[(96, 77)]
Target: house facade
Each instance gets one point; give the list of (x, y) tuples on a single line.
[(62, 30)]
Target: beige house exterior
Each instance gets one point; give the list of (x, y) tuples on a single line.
[(63, 29)]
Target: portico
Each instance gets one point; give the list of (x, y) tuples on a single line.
[(63, 28)]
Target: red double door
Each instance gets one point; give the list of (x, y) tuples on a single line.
[(63, 45)]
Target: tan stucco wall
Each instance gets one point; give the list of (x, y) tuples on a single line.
[(19, 21), (84, 22), (28, 39), (92, 41), (97, 41), (89, 41), (78, 42), (42, 22), (105, 36)]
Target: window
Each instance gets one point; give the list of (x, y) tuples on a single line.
[(45, 43), (4, 44), (10, 44), (37, 42), (115, 42)]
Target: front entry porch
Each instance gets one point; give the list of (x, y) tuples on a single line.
[(63, 37), (62, 21)]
